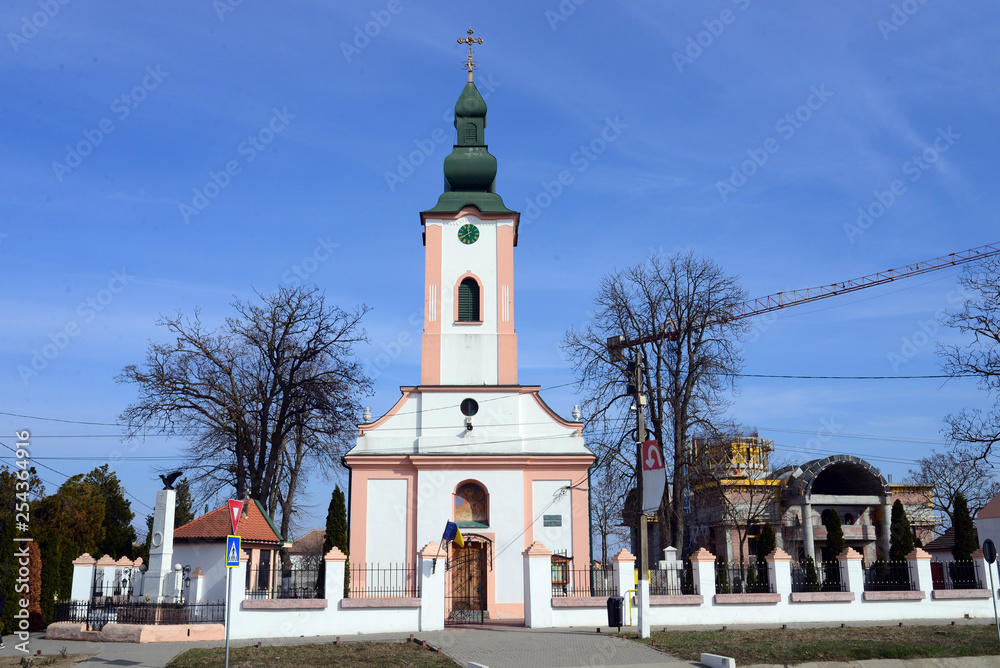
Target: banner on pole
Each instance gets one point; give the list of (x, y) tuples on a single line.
[(654, 476)]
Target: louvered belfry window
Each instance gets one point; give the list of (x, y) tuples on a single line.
[(468, 301), (471, 133)]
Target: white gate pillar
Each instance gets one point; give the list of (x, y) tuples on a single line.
[(83, 578), (537, 586), (432, 567)]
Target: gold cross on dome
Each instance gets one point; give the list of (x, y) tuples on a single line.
[(470, 64)]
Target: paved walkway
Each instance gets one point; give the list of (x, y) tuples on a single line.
[(496, 647)]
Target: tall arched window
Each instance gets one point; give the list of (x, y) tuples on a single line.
[(471, 506), (468, 301)]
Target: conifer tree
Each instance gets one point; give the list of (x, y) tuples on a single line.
[(965, 537), (834, 535), (337, 531), (900, 534)]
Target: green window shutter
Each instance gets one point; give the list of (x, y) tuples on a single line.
[(468, 301)]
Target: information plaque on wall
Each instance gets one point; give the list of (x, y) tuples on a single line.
[(552, 520)]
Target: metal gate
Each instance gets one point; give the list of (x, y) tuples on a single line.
[(465, 596)]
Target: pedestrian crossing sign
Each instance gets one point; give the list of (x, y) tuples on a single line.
[(232, 551)]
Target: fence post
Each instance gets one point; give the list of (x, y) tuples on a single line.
[(854, 574), (537, 586), (83, 578), (197, 586), (432, 568), (779, 569), (982, 570), (623, 571), (333, 585), (106, 566), (920, 570), (703, 565)]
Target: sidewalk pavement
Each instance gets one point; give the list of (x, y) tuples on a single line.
[(496, 647), (493, 646)]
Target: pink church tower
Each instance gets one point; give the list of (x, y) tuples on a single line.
[(469, 444)]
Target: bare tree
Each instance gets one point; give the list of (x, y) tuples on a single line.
[(954, 473), (276, 387), (685, 375), (607, 503), (974, 431)]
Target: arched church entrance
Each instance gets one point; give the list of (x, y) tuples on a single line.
[(466, 581)]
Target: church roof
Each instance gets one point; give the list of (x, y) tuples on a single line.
[(255, 527)]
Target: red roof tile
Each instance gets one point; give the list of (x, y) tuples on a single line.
[(254, 527)]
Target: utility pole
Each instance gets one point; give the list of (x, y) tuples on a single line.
[(640, 437), (635, 377)]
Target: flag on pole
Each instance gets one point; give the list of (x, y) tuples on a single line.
[(452, 533)]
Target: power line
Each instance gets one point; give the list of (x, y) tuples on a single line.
[(125, 491)]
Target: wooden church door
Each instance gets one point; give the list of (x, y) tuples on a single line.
[(466, 601)]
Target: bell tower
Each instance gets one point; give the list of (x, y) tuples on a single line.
[(469, 239)]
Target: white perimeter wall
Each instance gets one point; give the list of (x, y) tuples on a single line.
[(385, 540), (211, 557), (435, 501)]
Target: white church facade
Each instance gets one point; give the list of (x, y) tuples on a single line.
[(469, 444)]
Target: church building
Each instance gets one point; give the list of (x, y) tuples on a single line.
[(469, 444)]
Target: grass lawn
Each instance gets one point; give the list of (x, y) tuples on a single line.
[(794, 646), (399, 655)]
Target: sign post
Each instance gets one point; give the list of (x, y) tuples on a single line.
[(232, 561), (990, 554)]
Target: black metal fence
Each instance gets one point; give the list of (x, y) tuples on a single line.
[(296, 582), (583, 582), (751, 578), (388, 581), (674, 580), (824, 576), (96, 614), (956, 575), (888, 576)]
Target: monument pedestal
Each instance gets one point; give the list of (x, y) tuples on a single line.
[(159, 584)]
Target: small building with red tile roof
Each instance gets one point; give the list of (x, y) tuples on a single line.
[(202, 543)]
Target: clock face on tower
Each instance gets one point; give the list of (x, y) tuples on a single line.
[(468, 234)]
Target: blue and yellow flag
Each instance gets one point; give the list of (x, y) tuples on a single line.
[(452, 533)]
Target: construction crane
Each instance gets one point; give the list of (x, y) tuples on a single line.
[(616, 345), (780, 300)]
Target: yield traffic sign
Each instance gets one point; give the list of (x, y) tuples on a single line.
[(235, 511)]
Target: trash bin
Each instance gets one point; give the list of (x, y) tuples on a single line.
[(615, 605)]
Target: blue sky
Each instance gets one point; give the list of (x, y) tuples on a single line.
[(329, 118)]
